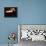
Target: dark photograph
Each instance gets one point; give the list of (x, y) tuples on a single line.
[(10, 12)]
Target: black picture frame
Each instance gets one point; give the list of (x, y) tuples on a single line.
[(10, 12)]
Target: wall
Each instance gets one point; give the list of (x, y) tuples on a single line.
[(29, 12), (33, 12), (8, 25)]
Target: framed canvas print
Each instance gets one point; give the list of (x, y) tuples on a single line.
[(10, 12), (32, 32)]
